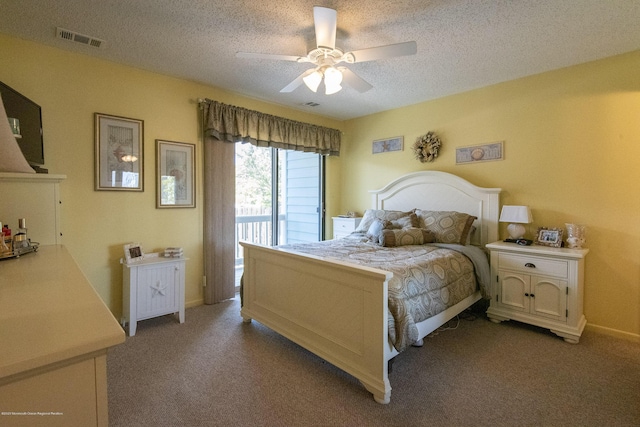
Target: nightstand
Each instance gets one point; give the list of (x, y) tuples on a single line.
[(343, 226), (152, 287), (539, 285)]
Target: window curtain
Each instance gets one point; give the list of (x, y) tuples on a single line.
[(224, 125)]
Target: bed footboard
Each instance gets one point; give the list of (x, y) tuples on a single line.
[(336, 310)]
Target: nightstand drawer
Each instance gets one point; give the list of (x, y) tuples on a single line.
[(533, 265), (345, 224)]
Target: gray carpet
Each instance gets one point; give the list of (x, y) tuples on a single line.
[(214, 370)]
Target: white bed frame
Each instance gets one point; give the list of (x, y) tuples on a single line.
[(338, 310)]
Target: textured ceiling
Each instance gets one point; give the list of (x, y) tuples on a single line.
[(462, 44)]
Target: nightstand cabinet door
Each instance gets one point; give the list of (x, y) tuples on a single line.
[(548, 298), (157, 290), (540, 296), (512, 288), (538, 285)]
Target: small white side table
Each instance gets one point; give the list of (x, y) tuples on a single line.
[(343, 226), (152, 287)]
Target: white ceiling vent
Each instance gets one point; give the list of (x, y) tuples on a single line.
[(61, 33)]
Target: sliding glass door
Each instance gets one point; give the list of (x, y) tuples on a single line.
[(301, 202), (279, 197)]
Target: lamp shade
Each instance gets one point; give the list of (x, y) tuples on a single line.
[(516, 214), (11, 157)]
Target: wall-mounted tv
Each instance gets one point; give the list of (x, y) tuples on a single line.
[(25, 119)]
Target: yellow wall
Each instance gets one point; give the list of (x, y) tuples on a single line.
[(572, 143), (70, 88), (571, 136)]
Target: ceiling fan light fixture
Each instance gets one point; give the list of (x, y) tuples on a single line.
[(332, 80), (331, 89), (326, 56), (313, 80)]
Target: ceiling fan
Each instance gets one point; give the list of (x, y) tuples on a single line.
[(326, 57)]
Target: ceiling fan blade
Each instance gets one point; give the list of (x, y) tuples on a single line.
[(354, 80), (249, 55), (297, 82), (325, 21), (384, 52)]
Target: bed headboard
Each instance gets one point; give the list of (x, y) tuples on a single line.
[(441, 191)]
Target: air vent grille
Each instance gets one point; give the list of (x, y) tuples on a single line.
[(311, 104), (61, 33)]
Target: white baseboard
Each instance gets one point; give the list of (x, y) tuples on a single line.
[(613, 332), (194, 303)]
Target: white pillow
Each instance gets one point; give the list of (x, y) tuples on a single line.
[(371, 215)]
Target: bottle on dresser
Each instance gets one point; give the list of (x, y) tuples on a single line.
[(6, 245)]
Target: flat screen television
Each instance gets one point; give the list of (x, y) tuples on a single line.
[(28, 127)]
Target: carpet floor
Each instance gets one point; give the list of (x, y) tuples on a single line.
[(214, 370)]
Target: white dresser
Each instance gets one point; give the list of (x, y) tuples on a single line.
[(54, 328), (343, 226), (152, 287), (55, 331), (539, 285)]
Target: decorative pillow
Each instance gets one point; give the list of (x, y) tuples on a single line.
[(410, 220), (372, 214), (376, 228), (405, 237), (447, 226)]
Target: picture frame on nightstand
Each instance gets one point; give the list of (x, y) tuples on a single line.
[(133, 253), (549, 237)]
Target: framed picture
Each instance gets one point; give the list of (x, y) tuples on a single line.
[(390, 144), (549, 237), (119, 153), (480, 153), (133, 253), (175, 174)]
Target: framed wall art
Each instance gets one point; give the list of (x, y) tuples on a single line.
[(480, 153), (549, 237), (119, 162), (386, 145), (175, 174)]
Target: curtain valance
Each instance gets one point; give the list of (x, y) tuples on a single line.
[(235, 124)]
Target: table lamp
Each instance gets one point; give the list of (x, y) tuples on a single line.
[(516, 216)]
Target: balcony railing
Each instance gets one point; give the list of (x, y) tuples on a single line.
[(256, 229)]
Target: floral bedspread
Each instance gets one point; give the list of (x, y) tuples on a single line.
[(427, 279)]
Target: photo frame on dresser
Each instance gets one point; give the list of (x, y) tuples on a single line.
[(549, 237), (119, 162)]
